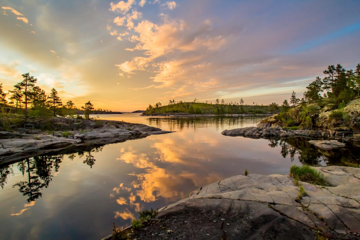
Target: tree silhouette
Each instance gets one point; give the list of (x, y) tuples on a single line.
[(90, 160), (26, 85), (32, 187), (54, 101), (4, 172), (2, 96), (293, 100), (16, 96), (88, 108)]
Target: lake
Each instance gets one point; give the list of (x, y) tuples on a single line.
[(80, 195)]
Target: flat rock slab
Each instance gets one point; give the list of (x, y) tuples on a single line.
[(14, 147), (265, 207), (327, 144)]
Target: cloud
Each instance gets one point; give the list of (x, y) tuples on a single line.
[(124, 215), (142, 3), (119, 21), (21, 16), (121, 201), (24, 19), (12, 10), (170, 5), (19, 213), (121, 6)]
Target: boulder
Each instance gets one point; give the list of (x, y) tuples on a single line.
[(327, 144)]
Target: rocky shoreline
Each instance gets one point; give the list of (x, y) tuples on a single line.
[(281, 133), (17, 146), (264, 207)]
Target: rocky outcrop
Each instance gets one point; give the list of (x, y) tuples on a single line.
[(265, 207), (278, 132), (327, 144), (14, 147)]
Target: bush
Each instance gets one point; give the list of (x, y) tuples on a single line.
[(67, 134), (290, 122), (307, 174), (336, 115), (136, 224), (118, 234), (148, 214)]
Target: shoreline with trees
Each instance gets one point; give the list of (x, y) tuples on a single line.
[(330, 109), (195, 108)]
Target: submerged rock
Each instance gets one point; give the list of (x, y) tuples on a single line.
[(265, 207), (327, 144)]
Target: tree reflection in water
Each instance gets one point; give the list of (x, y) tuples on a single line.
[(179, 123), (39, 171), (310, 155)]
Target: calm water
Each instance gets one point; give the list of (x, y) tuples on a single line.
[(80, 195)]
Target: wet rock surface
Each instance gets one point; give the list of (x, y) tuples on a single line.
[(264, 207), (278, 132), (15, 146), (327, 144)]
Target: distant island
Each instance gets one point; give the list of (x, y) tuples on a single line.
[(218, 108), (138, 111)]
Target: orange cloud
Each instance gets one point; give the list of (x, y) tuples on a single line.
[(124, 215), (24, 19), (12, 10), (170, 5), (122, 6)]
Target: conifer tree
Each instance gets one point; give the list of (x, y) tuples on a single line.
[(16, 96), (54, 101), (293, 100), (87, 109), (2, 96), (26, 85)]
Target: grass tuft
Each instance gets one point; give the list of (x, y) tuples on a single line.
[(307, 174), (246, 172)]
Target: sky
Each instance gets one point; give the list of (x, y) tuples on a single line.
[(125, 55)]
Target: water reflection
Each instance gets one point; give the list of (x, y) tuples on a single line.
[(220, 122), (310, 155), (78, 195), (40, 170)]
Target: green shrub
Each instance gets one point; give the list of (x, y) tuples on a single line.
[(290, 122), (67, 134), (148, 214), (118, 234), (246, 172), (336, 115), (307, 174), (136, 224)]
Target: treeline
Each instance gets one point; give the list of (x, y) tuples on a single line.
[(196, 107), (329, 94), (30, 100)]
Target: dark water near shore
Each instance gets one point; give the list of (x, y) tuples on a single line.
[(80, 195)]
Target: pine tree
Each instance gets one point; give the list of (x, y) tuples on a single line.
[(26, 85), (16, 96), (87, 109), (38, 97), (2, 96), (54, 101), (293, 100)]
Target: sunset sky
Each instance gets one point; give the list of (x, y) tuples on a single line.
[(123, 55)]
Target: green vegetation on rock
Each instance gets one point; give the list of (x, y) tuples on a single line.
[(331, 102), (307, 174)]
